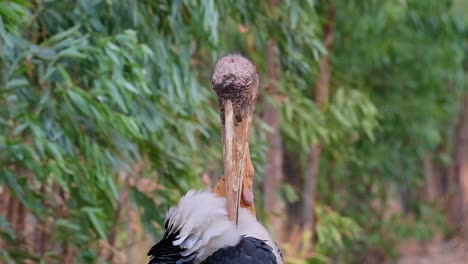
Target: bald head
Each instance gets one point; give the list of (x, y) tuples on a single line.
[(235, 78)]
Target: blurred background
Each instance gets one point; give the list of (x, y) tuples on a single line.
[(360, 140)]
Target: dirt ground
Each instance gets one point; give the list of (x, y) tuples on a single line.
[(454, 251)]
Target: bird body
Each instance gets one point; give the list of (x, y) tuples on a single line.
[(198, 230)]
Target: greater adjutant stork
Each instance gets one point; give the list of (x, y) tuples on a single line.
[(221, 227)]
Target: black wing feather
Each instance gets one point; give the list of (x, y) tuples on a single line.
[(250, 250), (166, 253)]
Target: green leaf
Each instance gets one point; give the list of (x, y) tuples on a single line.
[(5, 227), (96, 223)]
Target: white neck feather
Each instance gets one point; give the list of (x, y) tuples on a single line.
[(202, 221)]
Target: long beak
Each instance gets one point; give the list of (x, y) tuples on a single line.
[(231, 168), (235, 148), (236, 83)]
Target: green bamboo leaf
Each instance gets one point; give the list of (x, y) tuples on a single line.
[(67, 224), (7, 257), (130, 87), (95, 222), (14, 83), (20, 128), (62, 35), (78, 101), (54, 149), (5, 227), (71, 53), (116, 95)]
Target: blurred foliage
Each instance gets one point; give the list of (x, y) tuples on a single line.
[(332, 231), (407, 57), (97, 96)]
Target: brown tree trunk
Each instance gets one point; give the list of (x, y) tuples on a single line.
[(112, 239), (40, 232), (16, 216), (292, 171), (66, 254), (5, 202), (432, 184), (309, 189), (321, 98), (274, 167), (461, 164), (15, 213)]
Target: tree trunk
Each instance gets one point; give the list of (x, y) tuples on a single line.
[(321, 98), (461, 164), (292, 171), (432, 183), (5, 198), (274, 167), (310, 187)]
